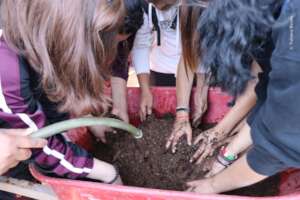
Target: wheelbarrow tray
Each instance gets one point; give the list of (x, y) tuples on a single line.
[(164, 102)]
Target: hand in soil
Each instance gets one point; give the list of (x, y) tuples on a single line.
[(146, 105), (208, 141), (181, 128), (146, 163)]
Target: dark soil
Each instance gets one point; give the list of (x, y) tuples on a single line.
[(146, 162)]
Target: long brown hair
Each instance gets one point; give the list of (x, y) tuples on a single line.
[(69, 43), (190, 13)]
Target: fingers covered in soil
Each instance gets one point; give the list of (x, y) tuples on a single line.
[(146, 163)]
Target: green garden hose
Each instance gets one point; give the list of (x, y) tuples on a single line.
[(63, 126)]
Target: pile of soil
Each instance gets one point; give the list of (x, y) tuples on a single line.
[(146, 163)]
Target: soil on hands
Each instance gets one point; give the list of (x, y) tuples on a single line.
[(146, 163)]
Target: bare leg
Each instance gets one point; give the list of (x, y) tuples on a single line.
[(238, 175)]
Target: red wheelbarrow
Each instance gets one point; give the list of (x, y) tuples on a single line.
[(164, 102)]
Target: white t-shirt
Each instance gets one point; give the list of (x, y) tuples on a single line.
[(146, 54)]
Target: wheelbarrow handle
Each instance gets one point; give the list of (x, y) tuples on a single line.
[(38, 191), (27, 189)]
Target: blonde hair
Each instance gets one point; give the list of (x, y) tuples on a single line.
[(69, 43)]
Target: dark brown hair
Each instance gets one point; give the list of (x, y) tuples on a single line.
[(69, 43), (231, 33)]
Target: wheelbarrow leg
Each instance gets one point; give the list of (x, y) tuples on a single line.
[(26, 189)]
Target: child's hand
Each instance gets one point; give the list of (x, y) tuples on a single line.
[(182, 127), (209, 141)]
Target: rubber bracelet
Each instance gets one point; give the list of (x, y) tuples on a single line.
[(185, 109), (227, 156), (224, 158), (223, 162)]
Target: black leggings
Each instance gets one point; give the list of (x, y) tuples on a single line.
[(161, 79)]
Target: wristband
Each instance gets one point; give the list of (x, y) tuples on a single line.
[(185, 109), (227, 155), (226, 158)]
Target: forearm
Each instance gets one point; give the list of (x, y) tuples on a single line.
[(201, 81), (184, 83), (243, 105), (202, 85), (241, 108), (241, 142), (144, 81), (119, 94), (231, 178)]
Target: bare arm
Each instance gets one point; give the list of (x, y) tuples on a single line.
[(200, 99), (146, 96), (119, 98), (140, 60), (182, 126), (243, 105), (184, 83)]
